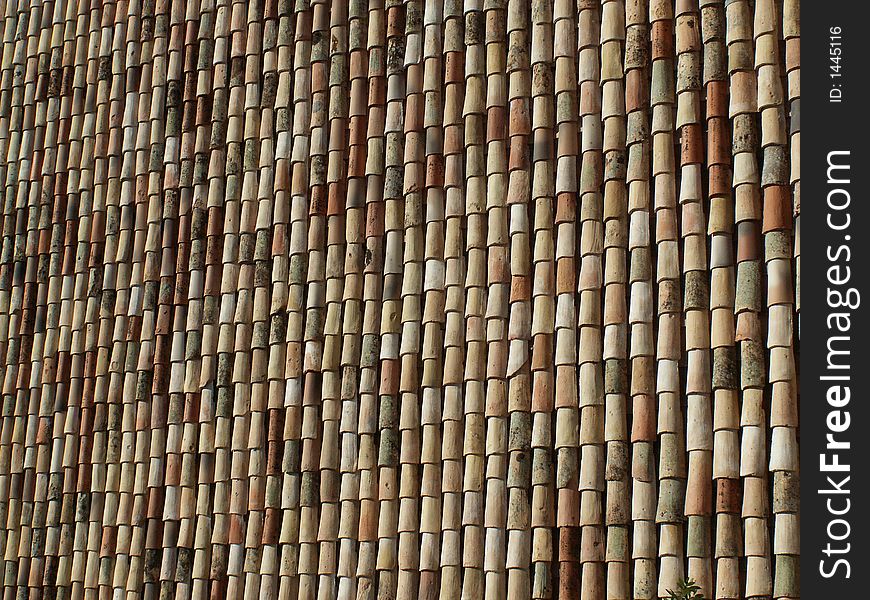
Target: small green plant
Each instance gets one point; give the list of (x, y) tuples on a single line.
[(688, 590)]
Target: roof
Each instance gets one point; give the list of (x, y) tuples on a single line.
[(345, 299)]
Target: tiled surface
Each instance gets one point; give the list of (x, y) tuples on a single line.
[(335, 299)]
